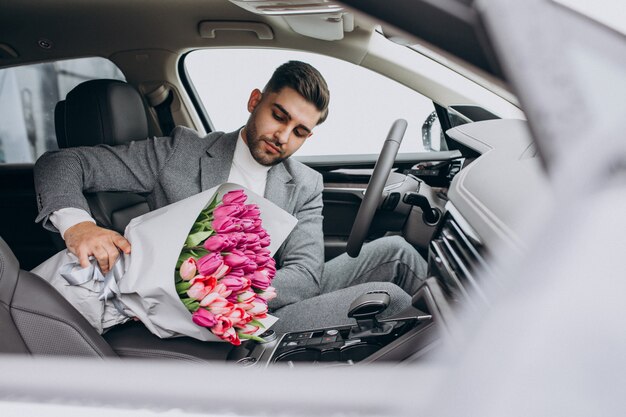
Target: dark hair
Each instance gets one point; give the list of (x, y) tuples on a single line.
[(304, 79)]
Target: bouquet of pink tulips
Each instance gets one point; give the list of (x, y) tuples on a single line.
[(221, 263), (224, 271)]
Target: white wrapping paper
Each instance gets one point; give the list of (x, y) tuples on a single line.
[(146, 288)]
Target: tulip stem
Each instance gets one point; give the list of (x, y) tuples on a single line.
[(251, 337)]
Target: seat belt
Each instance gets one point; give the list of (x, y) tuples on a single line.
[(161, 100)]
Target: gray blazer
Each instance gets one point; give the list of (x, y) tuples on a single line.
[(169, 169)]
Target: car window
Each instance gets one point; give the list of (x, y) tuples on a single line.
[(28, 95), (363, 103)]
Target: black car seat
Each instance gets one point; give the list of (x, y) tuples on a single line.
[(109, 112), (112, 112), (37, 320)]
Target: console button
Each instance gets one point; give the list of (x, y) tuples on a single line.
[(314, 341), (332, 332), (329, 339)]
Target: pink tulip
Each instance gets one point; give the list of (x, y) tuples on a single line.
[(222, 290), (209, 298), (209, 281), (251, 212), (219, 243), (265, 241), (226, 224), (252, 238), (239, 237), (253, 247), (247, 296), (250, 266), (198, 291), (261, 279), (270, 267), (234, 197), (236, 259), (210, 263), (264, 251), (236, 273), (222, 325), (235, 284), (238, 316), (253, 226), (268, 294), (248, 225), (262, 260), (203, 318), (247, 328), (216, 304), (220, 307), (187, 269), (246, 306), (231, 336), (258, 310), (222, 271), (229, 210)]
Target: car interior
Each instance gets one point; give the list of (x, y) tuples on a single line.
[(454, 205)]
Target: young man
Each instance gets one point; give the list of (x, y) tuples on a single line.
[(282, 116)]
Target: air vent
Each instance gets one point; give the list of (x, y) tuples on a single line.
[(455, 257)]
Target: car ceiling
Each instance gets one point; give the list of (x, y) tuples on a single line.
[(105, 27), (102, 27)]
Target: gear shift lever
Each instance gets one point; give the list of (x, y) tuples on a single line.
[(364, 309)]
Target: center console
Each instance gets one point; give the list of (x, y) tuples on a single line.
[(408, 334)]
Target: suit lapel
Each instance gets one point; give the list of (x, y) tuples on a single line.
[(279, 187), (216, 162)]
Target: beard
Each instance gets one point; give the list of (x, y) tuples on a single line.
[(257, 147)]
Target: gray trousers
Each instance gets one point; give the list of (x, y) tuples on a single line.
[(389, 264)]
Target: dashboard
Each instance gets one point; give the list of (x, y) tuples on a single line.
[(488, 198), (492, 206), (501, 183)]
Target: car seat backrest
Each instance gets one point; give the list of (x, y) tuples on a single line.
[(104, 112), (36, 319), (95, 112)]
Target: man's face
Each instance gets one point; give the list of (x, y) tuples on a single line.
[(278, 124)]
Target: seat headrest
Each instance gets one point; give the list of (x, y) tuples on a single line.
[(95, 112)]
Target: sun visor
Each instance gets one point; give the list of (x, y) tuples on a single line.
[(320, 19)]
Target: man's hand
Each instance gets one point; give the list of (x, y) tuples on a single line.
[(86, 239)]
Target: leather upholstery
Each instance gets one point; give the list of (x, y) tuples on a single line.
[(111, 112), (104, 112), (36, 319), (108, 112), (133, 340)]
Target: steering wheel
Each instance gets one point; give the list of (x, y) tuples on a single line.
[(374, 190)]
